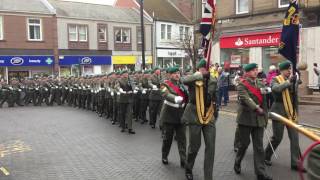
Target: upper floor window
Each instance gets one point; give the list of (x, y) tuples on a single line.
[(78, 33), (102, 33), (166, 31), (122, 35), (34, 29), (283, 3), (242, 6), (1, 28), (184, 32)]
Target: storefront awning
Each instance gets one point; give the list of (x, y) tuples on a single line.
[(26, 60), (130, 59), (84, 60)]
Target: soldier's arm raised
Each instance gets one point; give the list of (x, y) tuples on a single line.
[(167, 95), (192, 78), (245, 98), (277, 87)]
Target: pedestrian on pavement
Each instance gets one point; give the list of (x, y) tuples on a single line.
[(214, 70), (252, 119), (175, 97), (203, 92), (282, 92), (273, 72), (223, 87)]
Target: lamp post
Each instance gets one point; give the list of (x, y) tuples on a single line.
[(142, 36)]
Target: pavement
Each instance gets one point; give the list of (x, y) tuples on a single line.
[(64, 143)]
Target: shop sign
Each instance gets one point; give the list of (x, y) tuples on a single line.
[(84, 60), (235, 59), (251, 40), (26, 60), (171, 53)]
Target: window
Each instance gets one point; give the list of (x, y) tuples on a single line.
[(73, 33), (169, 27), (83, 33), (78, 33), (34, 29), (139, 38), (122, 35), (283, 3), (102, 34), (242, 6), (184, 32), (166, 31), (181, 33), (1, 28), (163, 31)]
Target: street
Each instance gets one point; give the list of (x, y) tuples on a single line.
[(64, 143)]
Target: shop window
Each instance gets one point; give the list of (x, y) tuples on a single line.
[(283, 3), (1, 28), (177, 61), (236, 57), (242, 6), (34, 29), (270, 56), (102, 34), (160, 62), (166, 31), (122, 35)]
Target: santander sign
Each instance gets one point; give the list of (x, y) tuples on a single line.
[(250, 40)]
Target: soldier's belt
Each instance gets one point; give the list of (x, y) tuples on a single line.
[(173, 104), (127, 92)]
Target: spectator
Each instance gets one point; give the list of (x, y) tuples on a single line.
[(223, 87), (273, 72), (214, 70), (261, 75), (317, 71)]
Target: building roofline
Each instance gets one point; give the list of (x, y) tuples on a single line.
[(49, 6), (25, 12)]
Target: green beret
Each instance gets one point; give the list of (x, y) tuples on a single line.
[(110, 74), (202, 63), (118, 73), (124, 71), (156, 68), (250, 67), (284, 65), (173, 69)]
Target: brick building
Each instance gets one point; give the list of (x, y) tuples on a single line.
[(27, 38)]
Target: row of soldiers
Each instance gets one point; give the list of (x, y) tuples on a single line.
[(113, 95)]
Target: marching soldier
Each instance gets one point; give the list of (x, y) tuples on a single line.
[(56, 92), (155, 96), (136, 96), (175, 98), (125, 91), (200, 115), (144, 97), (251, 119), (114, 95), (3, 92), (44, 92), (282, 88)]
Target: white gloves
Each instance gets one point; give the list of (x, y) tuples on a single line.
[(154, 87), (178, 99), (144, 91), (135, 91), (112, 94), (109, 89), (118, 93), (121, 90)]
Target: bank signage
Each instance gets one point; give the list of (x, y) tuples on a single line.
[(26, 60), (85, 60), (251, 40)]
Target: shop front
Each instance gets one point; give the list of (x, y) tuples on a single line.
[(25, 66), (260, 47), (132, 63), (167, 57), (84, 65)]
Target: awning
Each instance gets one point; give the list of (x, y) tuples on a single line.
[(26, 60)]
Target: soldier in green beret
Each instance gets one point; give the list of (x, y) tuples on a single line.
[(175, 98), (144, 97), (198, 120), (155, 96), (281, 85), (252, 119)]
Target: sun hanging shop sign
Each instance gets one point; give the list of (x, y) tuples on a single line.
[(251, 40)]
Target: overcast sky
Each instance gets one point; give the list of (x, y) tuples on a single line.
[(107, 2)]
